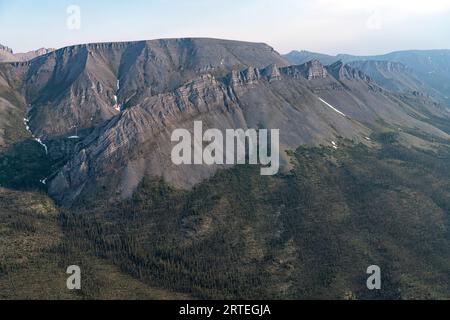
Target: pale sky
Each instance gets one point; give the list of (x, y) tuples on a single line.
[(328, 26)]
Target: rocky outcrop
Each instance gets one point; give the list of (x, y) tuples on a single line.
[(311, 70), (272, 72), (342, 71)]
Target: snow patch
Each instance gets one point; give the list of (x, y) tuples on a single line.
[(329, 105), (26, 122), (42, 144)]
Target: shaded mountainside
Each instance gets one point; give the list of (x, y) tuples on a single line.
[(12, 107), (87, 178)]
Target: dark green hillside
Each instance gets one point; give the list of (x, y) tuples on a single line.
[(309, 234)]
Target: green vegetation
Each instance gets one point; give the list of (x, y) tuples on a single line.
[(311, 233)]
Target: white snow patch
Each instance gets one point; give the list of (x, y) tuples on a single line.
[(368, 139), (73, 137), (334, 145), (116, 106), (329, 105), (26, 122), (42, 144), (118, 85)]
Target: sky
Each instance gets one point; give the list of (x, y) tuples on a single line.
[(328, 26)]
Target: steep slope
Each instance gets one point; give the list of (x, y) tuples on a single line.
[(80, 87), (308, 234), (310, 104)]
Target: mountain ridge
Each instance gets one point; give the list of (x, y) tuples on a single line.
[(430, 66)]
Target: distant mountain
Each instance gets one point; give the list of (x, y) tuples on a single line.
[(394, 76), (430, 67), (7, 54), (300, 57)]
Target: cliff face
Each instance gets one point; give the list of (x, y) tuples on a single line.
[(310, 70), (83, 86), (110, 108), (307, 110)]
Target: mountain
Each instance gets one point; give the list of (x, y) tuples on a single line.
[(88, 84), (430, 66), (316, 107), (86, 175), (300, 57), (394, 76), (7, 54)]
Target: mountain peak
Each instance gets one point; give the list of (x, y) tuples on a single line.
[(316, 70)]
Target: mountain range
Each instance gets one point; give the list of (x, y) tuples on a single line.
[(430, 66), (85, 135)]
